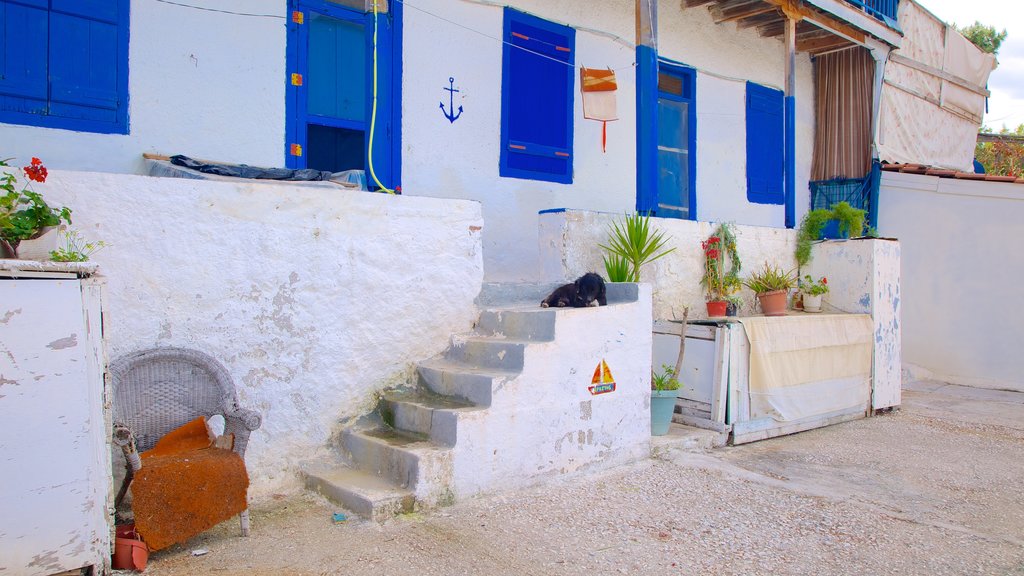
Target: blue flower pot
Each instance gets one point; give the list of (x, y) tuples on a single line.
[(663, 404)]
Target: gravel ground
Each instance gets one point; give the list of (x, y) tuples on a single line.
[(936, 488)]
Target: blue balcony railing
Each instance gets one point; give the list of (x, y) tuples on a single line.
[(884, 10)]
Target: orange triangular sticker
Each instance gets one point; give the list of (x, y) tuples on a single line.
[(597, 375), (607, 376), (602, 382)]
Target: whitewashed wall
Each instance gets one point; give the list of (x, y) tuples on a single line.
[(314, 299), (200, 83), (569, 248), (211, 85), (962, 273), (461, 159)]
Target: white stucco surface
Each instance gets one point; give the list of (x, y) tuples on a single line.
[(959, 241), (570, 247), (314, 300), (864, 278), (201, 83), (544, 421)]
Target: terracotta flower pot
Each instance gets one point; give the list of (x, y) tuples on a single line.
[(773, 303), (716, 308), (130, 553)]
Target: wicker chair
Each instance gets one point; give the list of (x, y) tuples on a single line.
[(160, 389)]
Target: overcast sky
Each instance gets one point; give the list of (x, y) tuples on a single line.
[(1006, 105)]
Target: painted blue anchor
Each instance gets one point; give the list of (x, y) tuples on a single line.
[(450, 113)]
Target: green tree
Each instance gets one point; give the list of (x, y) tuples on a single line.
[(1003, 158), (984, 37)]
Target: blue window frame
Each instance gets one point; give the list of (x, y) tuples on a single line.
[(537, 99), (765, 145), (64, 64), (330, 90), (676, 141)]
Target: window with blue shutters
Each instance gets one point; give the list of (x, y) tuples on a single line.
[(64, 64), (537, 98), (765, 145)]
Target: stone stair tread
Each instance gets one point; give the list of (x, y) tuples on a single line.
[(401, 439), (428, 400), (447, 364), (364, 493)]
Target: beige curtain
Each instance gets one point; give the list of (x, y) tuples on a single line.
[(842, 141)]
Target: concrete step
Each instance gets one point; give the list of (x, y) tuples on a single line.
[(467, 382), (682, 439), (361, 492), (424, 412), (524, 322), (393, 455), (488, 352)]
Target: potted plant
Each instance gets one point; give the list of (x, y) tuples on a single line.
[(631, 244), (718, 284), (28, 225), (713, 279), (842, 221), (664, 392), (732, 284), (812, 292), (771, 285)]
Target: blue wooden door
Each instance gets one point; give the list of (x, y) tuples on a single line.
[(331, 91)]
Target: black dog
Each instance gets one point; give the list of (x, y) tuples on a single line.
[(587, 290)]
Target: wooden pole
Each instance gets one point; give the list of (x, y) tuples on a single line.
[(682, 342)]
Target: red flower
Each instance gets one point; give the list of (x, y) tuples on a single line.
[(36, 161), (824, 280), (36, 172), (714, 240), (713, 253)]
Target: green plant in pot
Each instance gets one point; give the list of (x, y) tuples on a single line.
[(718, 284), (664, 392), (813, 290), (850, 224), (771, 284), (28, 225), (631, 244)]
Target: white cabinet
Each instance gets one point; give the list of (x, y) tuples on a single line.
[(54, 421)]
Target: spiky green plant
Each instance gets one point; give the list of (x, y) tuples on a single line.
[(770, 279), (617, 268), (634, 241)]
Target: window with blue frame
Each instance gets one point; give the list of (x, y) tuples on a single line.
[(765, 145), (677, 138), (64, 64), (537, 98)]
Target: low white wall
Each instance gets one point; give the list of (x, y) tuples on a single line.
[(314, 299), (570, 247), (962, 271), (202, 83)]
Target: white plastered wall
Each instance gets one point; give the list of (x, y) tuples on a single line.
[(460, 159), (201, 83), (961, 276), (725, 58), (314, 299), (569, 248)]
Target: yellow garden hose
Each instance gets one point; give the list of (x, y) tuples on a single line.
[(373, 113)]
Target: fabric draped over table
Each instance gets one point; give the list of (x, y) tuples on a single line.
[(808, 365)]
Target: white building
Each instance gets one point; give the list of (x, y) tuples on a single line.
[(460, 113)]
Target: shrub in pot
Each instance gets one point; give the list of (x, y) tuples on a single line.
[(664, 392), (812, 292), (771, 284), (25, 216), (718, 284)]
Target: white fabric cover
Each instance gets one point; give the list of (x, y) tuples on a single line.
[(806, 365), (925, 119)]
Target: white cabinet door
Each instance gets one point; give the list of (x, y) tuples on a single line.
[(53, 480)]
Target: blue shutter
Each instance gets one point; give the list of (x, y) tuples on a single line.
[(87, 68), (537, 99), (765, 145), (23, 48)]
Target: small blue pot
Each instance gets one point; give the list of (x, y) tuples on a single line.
[(663, 404)]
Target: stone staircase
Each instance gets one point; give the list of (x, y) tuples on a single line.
[(477, 407)]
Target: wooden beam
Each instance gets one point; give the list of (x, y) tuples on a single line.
[(939, 73), (760, 20), (799, 11), (817, 44), (746, 11), (695, 3), (772, 30)]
